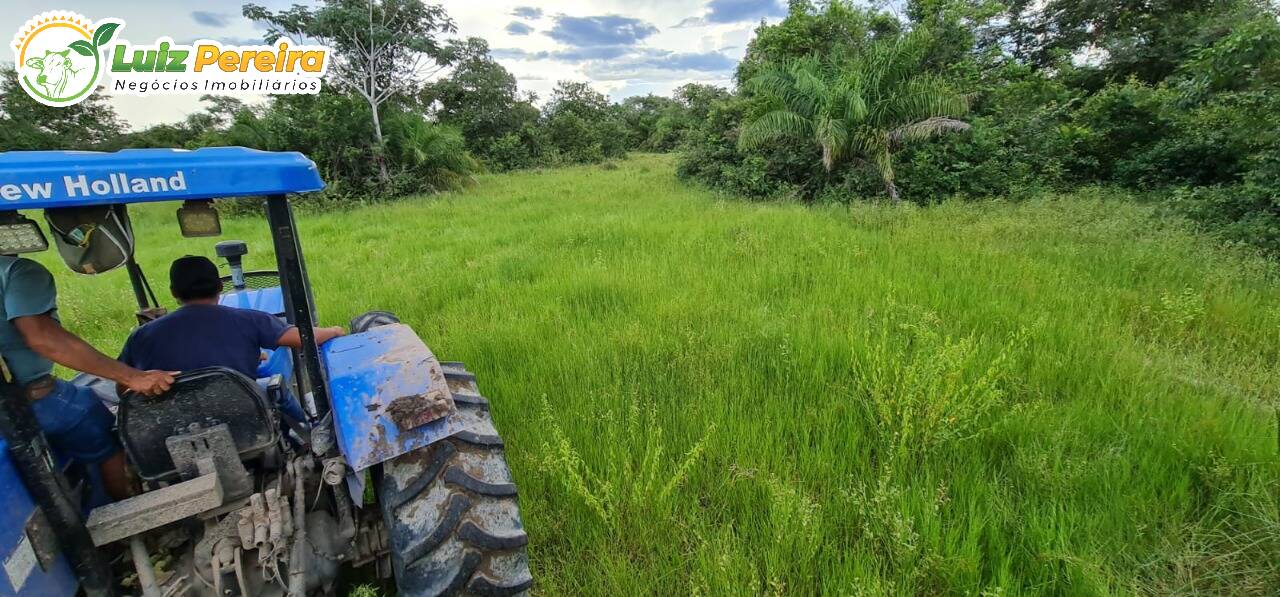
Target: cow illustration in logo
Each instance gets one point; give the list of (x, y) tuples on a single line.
[(55, 71), (59, 56)]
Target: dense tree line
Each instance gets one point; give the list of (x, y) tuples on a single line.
[(1176, 99)]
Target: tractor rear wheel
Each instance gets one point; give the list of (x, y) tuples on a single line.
[(451, 509)]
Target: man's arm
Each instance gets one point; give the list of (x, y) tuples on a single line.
[(50, 340), (292, 339)]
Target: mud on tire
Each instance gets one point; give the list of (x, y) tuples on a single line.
[(452, 511)]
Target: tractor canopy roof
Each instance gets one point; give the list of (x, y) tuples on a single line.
[(44, 179)]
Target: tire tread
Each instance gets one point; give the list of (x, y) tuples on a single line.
[(439, 547)]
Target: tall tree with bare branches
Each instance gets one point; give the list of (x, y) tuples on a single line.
[(384, 49)]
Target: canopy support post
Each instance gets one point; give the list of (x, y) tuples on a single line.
[(299, 308)]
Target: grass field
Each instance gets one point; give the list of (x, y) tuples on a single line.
[(706, 396)]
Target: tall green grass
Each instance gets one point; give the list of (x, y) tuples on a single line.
[(707, 396)]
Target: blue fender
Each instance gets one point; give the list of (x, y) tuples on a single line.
[(389, 395)]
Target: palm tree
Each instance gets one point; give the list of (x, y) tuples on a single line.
[(866, 105), (434, 153)]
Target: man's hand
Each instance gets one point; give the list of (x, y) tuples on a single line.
[(47, 338), (151, 383)]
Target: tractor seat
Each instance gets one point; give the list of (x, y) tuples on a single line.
[(199, 399)]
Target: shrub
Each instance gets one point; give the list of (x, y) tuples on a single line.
[(1117, 123), (712, 157), (428, 156), (991, 160), (1246, 213), (512, 152), (923, 389)]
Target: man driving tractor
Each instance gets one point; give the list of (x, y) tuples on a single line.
[(231, 501), (32, 339), (202, 333)]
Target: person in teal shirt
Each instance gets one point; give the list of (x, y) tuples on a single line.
[(32, 339)]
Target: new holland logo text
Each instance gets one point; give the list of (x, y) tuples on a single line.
[(62, 58), (79, 185)]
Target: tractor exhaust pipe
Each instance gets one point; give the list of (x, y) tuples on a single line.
[(233, 251)]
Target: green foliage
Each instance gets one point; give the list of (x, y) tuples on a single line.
[(1116, 123), (576, 98), (712, 157), (1146, 39), (1215, 142), (928, 391), (382, 50), (481, 98), (1022, 140), (199, 129), (515, 151), (420, 156), (1247, 213), (956, 27), (865, 106), (988, 162), (1246, 57), (642, 115), (574, 138), (26, 124), (305, 123), (504, 129), (691, 106), (428, 154), (824, 112), (809, 31), (581, 125), (1180, 97)]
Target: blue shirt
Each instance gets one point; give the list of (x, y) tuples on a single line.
[(26, 288), (199, 335)]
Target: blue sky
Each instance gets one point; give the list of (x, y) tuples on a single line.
[(622, 47)]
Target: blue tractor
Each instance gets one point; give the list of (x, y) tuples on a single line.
[(241, 497)]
